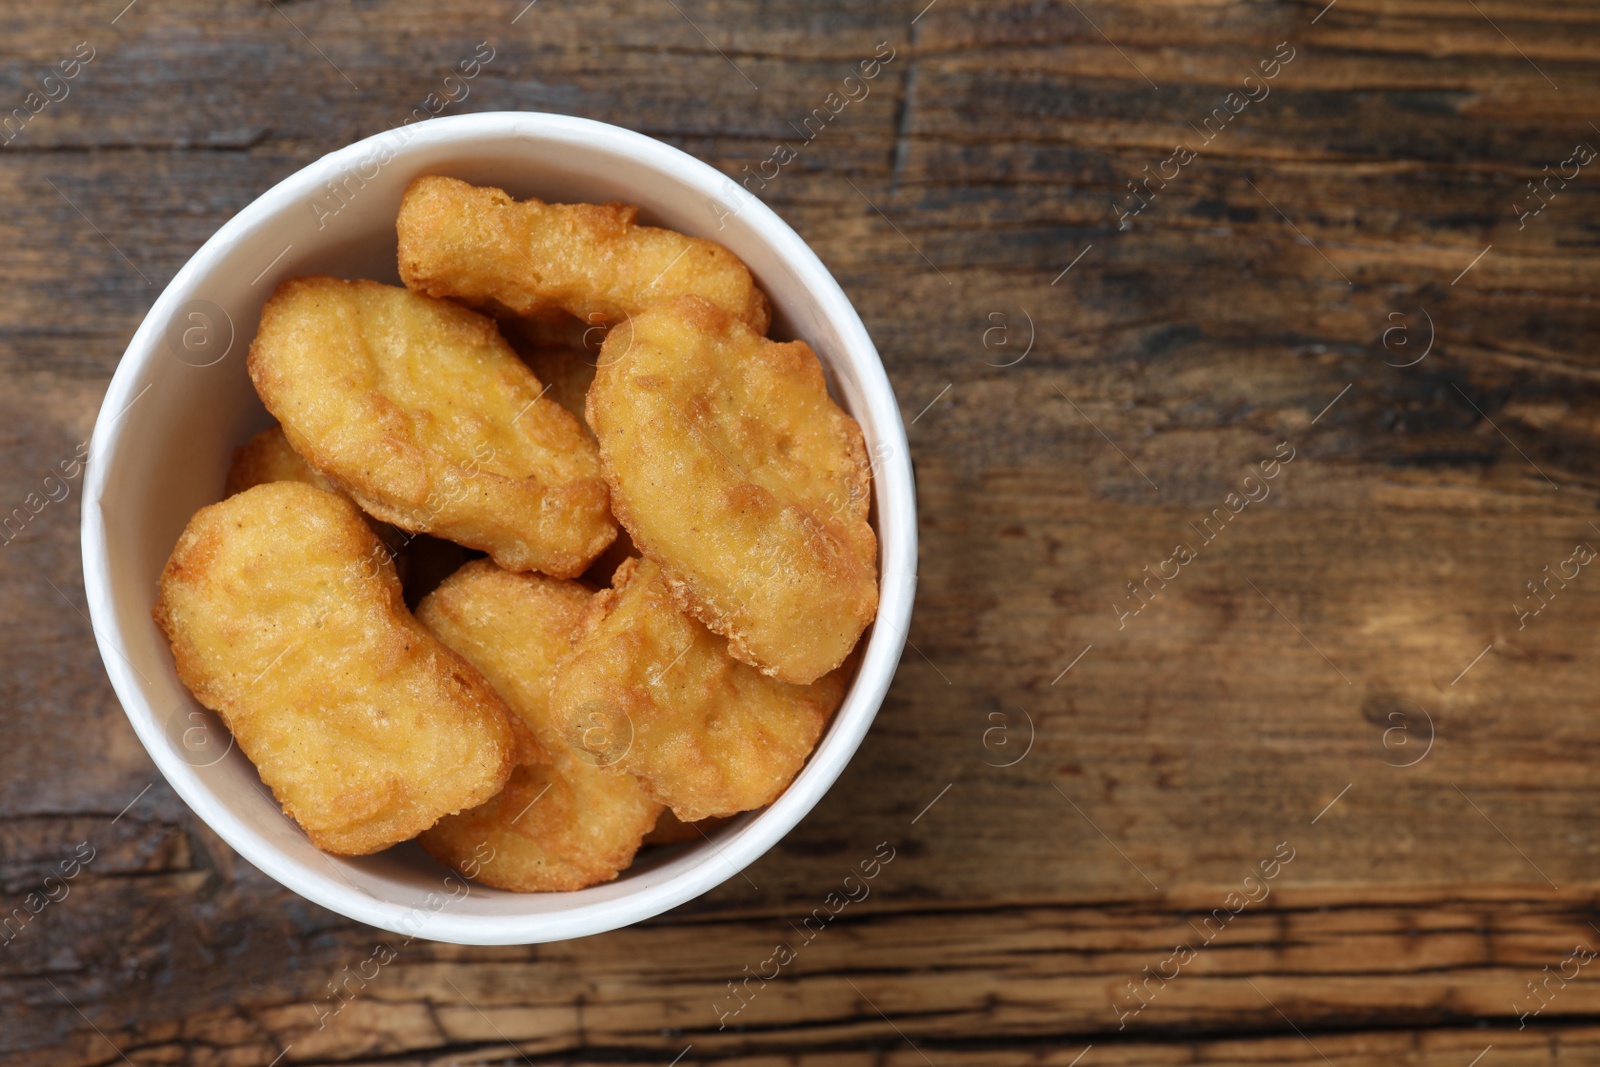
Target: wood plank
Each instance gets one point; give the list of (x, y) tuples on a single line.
[(1346, 974)]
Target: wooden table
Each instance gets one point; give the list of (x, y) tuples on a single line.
[(1096, 340)]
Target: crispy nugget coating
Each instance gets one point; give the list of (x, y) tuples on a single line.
[(730, 466), (562, 822), (547, 831), (478, 245), (268, 457), (650, 690), (569, 372), (515, 628), (421, 412), (285, 618)]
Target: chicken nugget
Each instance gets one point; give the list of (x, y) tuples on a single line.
[(267, 457), (420, 411), (478, 245), (730, 466), (285, 618), (562, 822), (569, 372), (649, 690)]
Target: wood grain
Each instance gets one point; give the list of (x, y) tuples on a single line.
[(1303, 658)]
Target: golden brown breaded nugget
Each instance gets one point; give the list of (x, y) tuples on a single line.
[(731, 467), (267, 457), (515, 628), (653, 692), (478, 245), (562, 822), (285, 618), (548, 831), (421, 412)]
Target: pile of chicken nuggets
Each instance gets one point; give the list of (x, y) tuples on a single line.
[(552, 553)]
